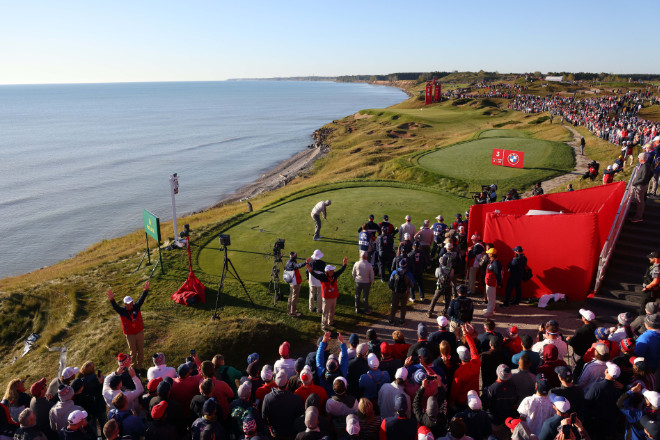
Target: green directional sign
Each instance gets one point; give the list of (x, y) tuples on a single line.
[(151, 225)]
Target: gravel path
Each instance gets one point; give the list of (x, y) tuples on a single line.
[(580, 166)]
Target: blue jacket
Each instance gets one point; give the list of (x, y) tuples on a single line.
[(633, 416), (648, 346), (371, 381), (320, 366), (130, 424)]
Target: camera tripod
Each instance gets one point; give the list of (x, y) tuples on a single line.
[(274, 283), (228, 268)]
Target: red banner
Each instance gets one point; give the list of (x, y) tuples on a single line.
[(498, 155), (513, 159)]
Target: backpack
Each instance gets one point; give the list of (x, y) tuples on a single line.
[(288, 276), (398, 282), (464, 310), (527, 274), (449, 260)]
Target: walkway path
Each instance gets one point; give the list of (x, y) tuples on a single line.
[(580, 166)]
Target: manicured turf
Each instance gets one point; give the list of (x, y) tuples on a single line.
[(349, 210), (504, 133), (471, 161)]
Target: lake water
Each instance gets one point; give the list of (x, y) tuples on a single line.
[(78, 163)]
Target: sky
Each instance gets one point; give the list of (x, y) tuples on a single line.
[(83, 41)]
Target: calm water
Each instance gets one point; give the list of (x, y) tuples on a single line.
[(78, 163)]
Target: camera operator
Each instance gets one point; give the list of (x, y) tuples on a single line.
[(480, 198), (296, 280)]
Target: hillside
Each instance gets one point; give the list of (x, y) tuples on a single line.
[(375, 165)]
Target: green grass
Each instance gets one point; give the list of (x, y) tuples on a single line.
[(471, 161)]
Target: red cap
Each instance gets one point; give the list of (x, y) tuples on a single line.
[(513, 330), (511, 423), (284, 349), (627, 345), (38, 387), (158, 411), (121, 357), (385, 348), (152, 386)]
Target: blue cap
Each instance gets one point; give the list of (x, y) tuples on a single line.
[(354, 339), (183, 369), (422, 332), (400, 403), (419, 376), (210, 406), (601, 333), (253, 358)]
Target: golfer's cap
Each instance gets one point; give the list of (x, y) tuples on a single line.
[(128, 300), (317, 255), (653, 397), (329, 267), (587, 314), (560, 402), (77, 416), (328, 202)]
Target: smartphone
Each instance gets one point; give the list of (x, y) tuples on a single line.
[(566, 430), (573, 418), (333, 335), (98, 373)]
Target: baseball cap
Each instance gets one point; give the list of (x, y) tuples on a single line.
[(77, 416), (183, 370), (354, 339), (443, 321), (386, 217), (653, 321), (463, 353), (407, 217), (158, 411), (281, 379), (329, 267), (385, 349), (492, 251), (122, 357), (613, 369), (65, 392), (651, 308), (651, 426), (513, 332), (602, 349), (400, 403), (563, 372), (517, 249), (511, 423), (560, 402), (371, 217), (542, 384), (69, 372), (601, 333), (401, 373), (266, 373), (653, 397), (38, 387), (625, 318), (152, 385), (373, 361), (422, 332), (587, 314), (352, 424), (128, 300), (653, 254), (210, 406), (311, 417), (403, 263), (474, 402)]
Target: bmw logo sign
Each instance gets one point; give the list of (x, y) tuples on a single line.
[(513, 158)]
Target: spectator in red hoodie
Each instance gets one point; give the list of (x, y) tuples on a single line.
[(185, 387), (513, 343), (466, 377), (221, 390), (307, 388), (550, 362), (400, 347)]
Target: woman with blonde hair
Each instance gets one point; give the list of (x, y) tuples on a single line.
[(15, 398), (369, 422)]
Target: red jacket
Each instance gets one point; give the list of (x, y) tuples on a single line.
[(590, 354), (466, 377), (131, 322), (183, 391), (399, 351), (304, 391), (223, 395)]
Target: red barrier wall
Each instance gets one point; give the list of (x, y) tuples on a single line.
[(562, 249)]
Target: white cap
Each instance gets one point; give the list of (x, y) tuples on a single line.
[(653, 397), (443, 321), (474, 402), (657, 138), (587, 314), (463, 353), (128, 300), (69, 372), (317, 255), (266, 373), (639, 359), (613, 369), (440, 217), (407, 217), (328, 267), (328, 202), (401, 373), (427, 222), (77, 416), (561, 403), (406, 236), (373, 361)]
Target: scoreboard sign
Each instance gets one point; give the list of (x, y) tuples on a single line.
[(508, 158)]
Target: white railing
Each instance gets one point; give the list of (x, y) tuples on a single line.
[(617, 224)]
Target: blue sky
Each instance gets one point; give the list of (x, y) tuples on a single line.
[(68, 41)]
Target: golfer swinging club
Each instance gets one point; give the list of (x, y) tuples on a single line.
[(319, 208)]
